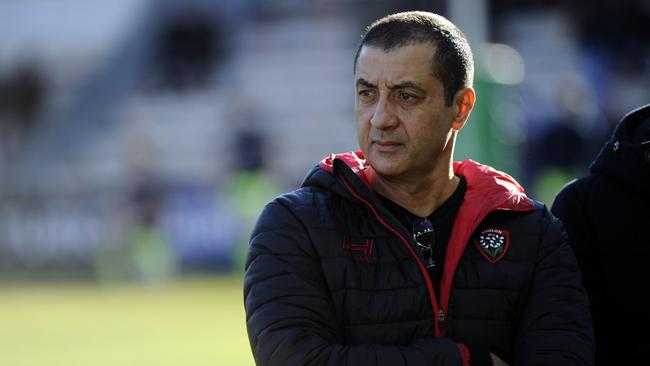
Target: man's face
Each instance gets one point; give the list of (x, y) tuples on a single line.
[(403, 124)]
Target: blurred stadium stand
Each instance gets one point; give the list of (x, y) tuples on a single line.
[(100, 99)]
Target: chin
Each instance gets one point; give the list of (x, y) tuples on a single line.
[(386, 167)]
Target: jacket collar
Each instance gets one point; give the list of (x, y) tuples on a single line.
[(486, 187)]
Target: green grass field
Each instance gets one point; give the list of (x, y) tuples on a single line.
[(191, 322)]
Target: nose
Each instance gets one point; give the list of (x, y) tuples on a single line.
[(383, 117)]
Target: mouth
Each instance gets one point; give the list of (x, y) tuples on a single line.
[(386, 145)]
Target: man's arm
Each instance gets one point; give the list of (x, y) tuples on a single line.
[(289, 314), (570, 207), (555, 326)]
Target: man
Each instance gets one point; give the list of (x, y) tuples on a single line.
[(606, 215), (394, 255)]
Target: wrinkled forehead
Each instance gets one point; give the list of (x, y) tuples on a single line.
[(409, 62)]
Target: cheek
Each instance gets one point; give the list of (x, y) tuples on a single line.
[(362, 135), (415, 124), (362, 124), (360, 114), (423, 132)]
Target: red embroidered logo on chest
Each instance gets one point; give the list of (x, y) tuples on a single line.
[(493, 243), (361, 250)]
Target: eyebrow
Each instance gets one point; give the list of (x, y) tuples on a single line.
[(407, 84), (402, 85), (364, 82)]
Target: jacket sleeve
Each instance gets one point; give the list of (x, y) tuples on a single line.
[(556, 326), (570, 207), (289, 314)]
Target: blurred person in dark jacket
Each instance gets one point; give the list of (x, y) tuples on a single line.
[(396, 255), (606, 215)]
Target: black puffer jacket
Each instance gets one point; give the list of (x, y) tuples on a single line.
[(607, 217), (333, 279)]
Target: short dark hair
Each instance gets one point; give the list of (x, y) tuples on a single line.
[(452, 63)]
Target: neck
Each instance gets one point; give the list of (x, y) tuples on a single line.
[(422, 195)]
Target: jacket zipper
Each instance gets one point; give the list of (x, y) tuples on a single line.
[(440, 319)]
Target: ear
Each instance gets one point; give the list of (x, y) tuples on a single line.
[(464, 100)]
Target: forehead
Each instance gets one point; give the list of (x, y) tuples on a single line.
[(409, 62)]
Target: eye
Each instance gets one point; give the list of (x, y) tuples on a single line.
[(406, 97), (364, 93)]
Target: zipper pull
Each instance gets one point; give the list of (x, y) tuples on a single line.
[(441, 320)]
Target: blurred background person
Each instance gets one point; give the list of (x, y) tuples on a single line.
[(251, 185), (606, 215)]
